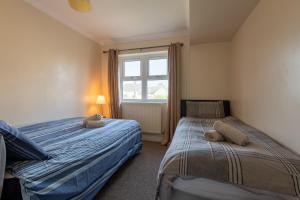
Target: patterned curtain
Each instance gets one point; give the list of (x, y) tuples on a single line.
[(113, 83), (173, 115)]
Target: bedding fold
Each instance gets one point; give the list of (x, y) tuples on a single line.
[(19, 146)]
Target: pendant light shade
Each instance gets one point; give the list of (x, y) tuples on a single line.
[(81, 5)]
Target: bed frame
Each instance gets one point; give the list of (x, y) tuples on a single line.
[(226, 104)]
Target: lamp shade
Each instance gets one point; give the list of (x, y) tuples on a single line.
[(100, 100), (81, 5)]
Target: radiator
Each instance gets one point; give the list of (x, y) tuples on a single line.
[(149, 115)]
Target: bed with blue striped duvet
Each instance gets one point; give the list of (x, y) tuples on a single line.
[(82, 160)]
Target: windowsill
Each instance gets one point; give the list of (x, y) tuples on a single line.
[(144, 102)]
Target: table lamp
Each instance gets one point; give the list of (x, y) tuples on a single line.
[(100, 101)]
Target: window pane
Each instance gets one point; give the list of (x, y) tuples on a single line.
[(132, 68), (132, 89), (158, 67), (157, 89)]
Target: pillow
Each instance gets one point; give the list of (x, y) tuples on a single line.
[(19, 146), (205, 109), (231, 133), (94, 124)]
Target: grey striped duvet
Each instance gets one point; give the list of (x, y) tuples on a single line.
[(262, 165)]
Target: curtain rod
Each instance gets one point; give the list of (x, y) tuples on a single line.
[(152, 47)]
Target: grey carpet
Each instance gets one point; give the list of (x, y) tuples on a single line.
[(136, 179)]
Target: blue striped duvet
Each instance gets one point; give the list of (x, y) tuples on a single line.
[(82, 159)]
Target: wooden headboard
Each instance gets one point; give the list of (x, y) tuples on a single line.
[(226, 105)]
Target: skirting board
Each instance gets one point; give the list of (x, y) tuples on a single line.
[(152, 137)]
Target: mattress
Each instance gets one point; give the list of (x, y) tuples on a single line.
[(82, 160), (263, 165)]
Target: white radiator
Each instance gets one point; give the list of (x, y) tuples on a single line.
[(149, 115)]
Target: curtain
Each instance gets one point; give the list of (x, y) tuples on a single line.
[(173, 113), (113, 83)]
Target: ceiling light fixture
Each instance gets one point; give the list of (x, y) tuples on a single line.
[(81, 5)]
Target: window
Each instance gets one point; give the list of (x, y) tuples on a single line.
[(144, 77), (132, 68)]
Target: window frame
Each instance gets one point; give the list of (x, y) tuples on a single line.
[(144, 59)]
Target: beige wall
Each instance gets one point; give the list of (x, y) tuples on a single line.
[(47, 71), (209, 71), (266, 70), (205, 67)]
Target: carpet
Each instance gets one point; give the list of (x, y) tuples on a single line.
[(136, 179)]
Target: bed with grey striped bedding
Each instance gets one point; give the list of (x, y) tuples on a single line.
[(263, 166), (82, 159)]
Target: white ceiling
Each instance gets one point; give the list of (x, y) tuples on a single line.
[(131, 20), (217, 20), (121, 20)]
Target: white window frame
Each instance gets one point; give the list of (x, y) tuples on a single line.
[(144, 58)]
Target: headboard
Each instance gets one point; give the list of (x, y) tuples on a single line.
[(226, 105)]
